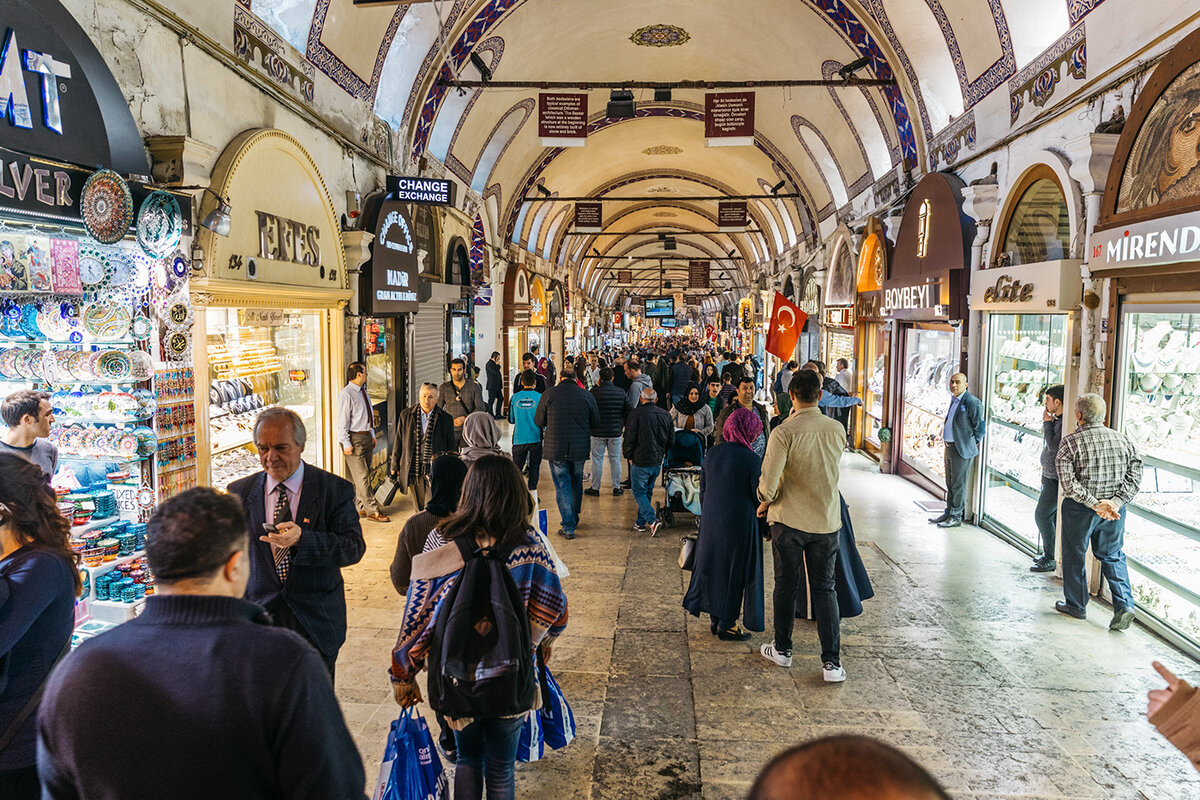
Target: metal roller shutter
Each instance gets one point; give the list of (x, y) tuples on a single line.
[(428, 357)]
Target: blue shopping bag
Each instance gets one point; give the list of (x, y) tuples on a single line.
[(557, 719), (531, 744), (416, 769)]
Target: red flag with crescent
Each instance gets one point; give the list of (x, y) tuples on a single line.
[(787, 320)]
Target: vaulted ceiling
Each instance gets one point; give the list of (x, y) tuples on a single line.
[(830, 144)]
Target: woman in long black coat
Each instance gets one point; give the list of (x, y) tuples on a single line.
[(727, 574)]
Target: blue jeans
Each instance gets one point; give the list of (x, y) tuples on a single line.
[(1080, 525), (568, 491), (642, 480), (487, 754), (599, 446)]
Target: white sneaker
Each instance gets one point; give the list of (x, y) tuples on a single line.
[(834, 673), (771, 654)]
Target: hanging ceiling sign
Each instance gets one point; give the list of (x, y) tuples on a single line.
[(58, 99), (729, 119), (589, 217), (562, 119), (393, 274), (732, 215), (698, 272), (421, 191), (625, 276)]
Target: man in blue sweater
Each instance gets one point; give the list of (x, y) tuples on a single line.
[(527, 436), (218, 701)]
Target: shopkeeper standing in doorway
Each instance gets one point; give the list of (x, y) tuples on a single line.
[(356, 435)]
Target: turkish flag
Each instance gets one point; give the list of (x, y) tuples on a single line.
[(787, 320)]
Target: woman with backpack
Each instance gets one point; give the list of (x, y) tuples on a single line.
[(481, 610), (39, 579)]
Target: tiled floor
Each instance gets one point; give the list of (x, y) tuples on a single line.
[(960, 660)]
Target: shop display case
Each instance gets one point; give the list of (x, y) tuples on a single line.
[(838, 344), (1158, 406), (1025, 354), (258, 359), (931, 356), (874, 382)]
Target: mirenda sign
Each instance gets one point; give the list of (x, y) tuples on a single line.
[(1167, 240)]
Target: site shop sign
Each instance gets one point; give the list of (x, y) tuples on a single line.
[(562, 119), (729, 119), (422, 191), (393, 288)]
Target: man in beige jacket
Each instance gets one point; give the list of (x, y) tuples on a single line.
[(798, 491)]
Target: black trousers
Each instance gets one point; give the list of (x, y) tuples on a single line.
[(528, 458), (284, 617), (957, 469), (495, 403), (1046, 516), (792, 551), (20, 784)]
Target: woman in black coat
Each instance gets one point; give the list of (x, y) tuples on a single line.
[(495, 385), (727, 575)]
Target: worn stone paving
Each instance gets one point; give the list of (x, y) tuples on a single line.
[(960, 660)]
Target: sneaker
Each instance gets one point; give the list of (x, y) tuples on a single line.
[(590, 492), (1043, 565), (834, 673), (566, 534), (1121, 620), (769, 652), (639, 527), (734, 634), (951, 522), (1070, 611), (618, 491), (653, 527)]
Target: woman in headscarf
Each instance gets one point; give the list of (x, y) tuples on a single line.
[(481, 437), (691, 413), (727, 575)]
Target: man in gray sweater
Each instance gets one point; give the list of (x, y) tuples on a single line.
[(460, 396), (1046, 513)]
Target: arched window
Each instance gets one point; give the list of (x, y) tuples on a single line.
[(1039, 227)]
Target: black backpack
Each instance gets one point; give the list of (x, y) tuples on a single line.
[(481, 656)]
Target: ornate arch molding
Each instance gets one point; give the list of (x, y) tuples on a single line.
[(829, 68), (1040, 164)]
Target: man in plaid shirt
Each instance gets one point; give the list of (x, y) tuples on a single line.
[(1099, 471)]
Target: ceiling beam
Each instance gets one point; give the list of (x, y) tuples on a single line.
[(660, 198), (669, 233), (851, 83)]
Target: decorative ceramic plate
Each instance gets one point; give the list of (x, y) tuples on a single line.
[(113, 365), (159, 224), (53, 323), (142, 328), (80, 366), (29, 321), (107, 206), (106, 321), (127, 444), (142, 368), (28, 363), (8, 363), (49, 367)]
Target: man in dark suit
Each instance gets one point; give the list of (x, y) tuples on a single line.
[(422, 431), (304, 529), (962, 434)]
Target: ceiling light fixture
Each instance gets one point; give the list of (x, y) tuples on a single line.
[(485, 72), (847, 71), (621, 104), (543, 191), (662, 94), (775, 189), (218, 219)]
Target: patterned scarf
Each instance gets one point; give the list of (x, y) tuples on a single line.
[(742, 426), (424, 446)]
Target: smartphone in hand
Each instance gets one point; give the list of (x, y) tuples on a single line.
[(269, 528)]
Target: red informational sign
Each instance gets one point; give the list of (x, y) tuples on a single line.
[(625, 276), (698, 274), (589, 216), (783, 332), (562, 118), (732, 214), (728, 115)]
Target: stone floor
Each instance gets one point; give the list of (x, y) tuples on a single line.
[(960, 660)]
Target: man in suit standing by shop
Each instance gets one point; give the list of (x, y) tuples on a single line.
[(422, 431), (962, 433), (303, 530), (356, 435)]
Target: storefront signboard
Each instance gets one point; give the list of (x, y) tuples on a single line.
[(839, 317), (1032, 288), (421, 191), (1167, 240), (393, 275), (729, 119), (868, 306), (922, 298), (562, 119)]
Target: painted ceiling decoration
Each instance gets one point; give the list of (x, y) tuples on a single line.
[(660, 36), (663, 150)]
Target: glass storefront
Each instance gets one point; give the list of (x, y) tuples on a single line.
[(874, 383), (839, 344), (258, 358), (379, 355), (931, 356), (1158, 406), (1025, 354)]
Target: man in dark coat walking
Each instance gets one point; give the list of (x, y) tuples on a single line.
[(422, 431), (648, 433), (567, 414), (296, 563), (606, 437), (495, 385)]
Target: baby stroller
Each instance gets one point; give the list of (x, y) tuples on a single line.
[(681, 478)]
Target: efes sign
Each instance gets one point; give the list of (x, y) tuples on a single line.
[(393, 287), (1167, 240)]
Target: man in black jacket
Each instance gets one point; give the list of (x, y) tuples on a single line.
[(221, 703), (567, 414), (648, 434), (528, 364), (606, 437), (422, 431), (305, 529), (495, 385), (743, 399)]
